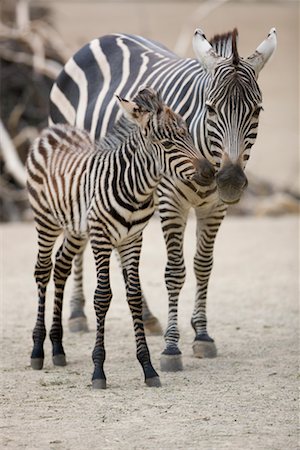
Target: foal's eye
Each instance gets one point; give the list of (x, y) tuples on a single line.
[(168, 144)]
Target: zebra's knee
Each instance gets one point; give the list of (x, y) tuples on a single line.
[(175, 273), (203, 266), (42, 272), (62, 271)]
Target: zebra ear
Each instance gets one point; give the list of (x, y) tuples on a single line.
[(204, 51), (133, 112), (263, 52)]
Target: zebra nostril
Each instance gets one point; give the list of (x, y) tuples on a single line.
[(205, 172), (246, 183)]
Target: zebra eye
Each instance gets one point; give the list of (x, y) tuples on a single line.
[(210, 109), (257, 111), (168, 144)]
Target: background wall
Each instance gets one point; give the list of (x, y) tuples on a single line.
[(275, 156)]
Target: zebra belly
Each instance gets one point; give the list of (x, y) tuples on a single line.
[(118, 227)]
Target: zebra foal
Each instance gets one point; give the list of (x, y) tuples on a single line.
[(104, 192)]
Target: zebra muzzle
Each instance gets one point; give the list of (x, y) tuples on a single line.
[(205, 172), (231, 182)]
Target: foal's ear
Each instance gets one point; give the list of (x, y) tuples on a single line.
[(133, 112)]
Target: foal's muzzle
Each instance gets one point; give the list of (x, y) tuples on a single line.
[(205, 172), (231, 182)]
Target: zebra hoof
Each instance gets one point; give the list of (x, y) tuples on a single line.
[(37, 363), (153, 327), (99, 383), (78, 324), (153, 382), (204, 349), (170, 363), (59, 360)]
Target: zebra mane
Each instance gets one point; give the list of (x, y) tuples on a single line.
[(147, 100), (226, 45), (118, 134)]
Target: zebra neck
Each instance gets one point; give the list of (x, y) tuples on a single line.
[(141, 169), (133, 167)]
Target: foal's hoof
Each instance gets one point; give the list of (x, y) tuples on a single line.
[(99, 384), (171, 363), (78, 324), (153, 327), (37, 363), (153, 382), (59, 360), (204, 349)]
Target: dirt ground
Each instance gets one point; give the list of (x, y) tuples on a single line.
[(246, 398)]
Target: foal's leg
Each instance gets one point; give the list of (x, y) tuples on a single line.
[(47, 236), (77, 320), (204, 346), (130, 255), (63, 264), (102, 249), (151, 323)]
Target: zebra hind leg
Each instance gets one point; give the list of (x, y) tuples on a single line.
[(151, 323), (130, 255), (63, 264), (43, 267), (77, 321)]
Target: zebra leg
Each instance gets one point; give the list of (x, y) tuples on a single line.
[(173, 230), (151, 323), (77, 320), (204, 346), (130, 256), (46, 239), (63, 264), (102, 249)]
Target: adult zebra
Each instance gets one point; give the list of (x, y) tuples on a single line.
[(218, 96)]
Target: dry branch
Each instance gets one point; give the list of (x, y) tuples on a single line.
[(30, 62)]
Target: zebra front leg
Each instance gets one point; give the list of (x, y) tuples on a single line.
[(130, 256), (151, 323), (46, 239), (204, 346), (102, 249), (173, 230), (77, 320), (63, 264)]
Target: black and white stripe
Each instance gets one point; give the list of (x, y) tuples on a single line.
[(103, 191), (218, 96)]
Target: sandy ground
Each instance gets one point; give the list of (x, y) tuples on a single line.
[(246, 398)]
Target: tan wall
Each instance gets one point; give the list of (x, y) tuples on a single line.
[(275, 155)]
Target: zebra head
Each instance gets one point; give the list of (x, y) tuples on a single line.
[(167, 136), (233, 102)]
